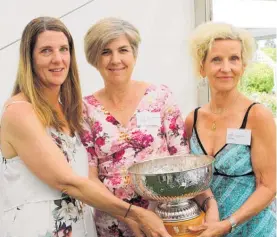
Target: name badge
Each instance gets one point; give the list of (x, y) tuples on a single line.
[(146, 118), (238, 136)]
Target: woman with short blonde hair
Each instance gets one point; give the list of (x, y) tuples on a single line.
[(204, 36), (239, 133)]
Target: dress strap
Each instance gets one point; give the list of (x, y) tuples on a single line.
[(244, 122), (195, 117)]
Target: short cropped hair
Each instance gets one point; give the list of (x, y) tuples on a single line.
[(103, 32), (205, 34)]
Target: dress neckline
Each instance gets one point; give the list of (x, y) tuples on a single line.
[(243, 126), (203, 148), (105, 111)]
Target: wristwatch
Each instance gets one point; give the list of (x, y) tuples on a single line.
[(232, 222)]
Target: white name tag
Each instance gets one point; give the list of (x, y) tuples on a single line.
[(146, 118), (238, 136)]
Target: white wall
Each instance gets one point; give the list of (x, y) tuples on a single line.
[(164, 26), (248, 13)]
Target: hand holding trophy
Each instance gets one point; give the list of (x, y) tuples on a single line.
[(173, 181)]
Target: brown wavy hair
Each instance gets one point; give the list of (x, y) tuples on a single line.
[(27, 83)]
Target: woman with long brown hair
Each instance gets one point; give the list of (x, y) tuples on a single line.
[(44, 174)]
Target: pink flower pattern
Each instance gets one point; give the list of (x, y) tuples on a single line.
[(114, 148)]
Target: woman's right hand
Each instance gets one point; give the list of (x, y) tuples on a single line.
[(149, 222), (135, 227)]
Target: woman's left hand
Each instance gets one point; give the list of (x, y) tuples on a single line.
[(212, 229)]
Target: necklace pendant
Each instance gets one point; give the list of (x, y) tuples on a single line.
[(213, 128)]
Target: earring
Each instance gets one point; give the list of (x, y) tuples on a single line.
[(203, 82)]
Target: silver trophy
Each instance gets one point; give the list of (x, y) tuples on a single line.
[(173, 181)]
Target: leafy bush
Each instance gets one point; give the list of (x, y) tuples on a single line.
[(258, 78), (257, 84)]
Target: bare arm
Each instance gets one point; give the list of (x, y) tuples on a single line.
[(189, 124), (211, 208), (133, 225), (263, 157), (23, 130)]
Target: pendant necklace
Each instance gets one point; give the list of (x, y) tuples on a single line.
[(219, 112)]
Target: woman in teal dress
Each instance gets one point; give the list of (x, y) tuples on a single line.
[(238, 133)]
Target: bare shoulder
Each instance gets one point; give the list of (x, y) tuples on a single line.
[(259, 115), (19, 118), (97, 94), (189, 119), (200, 110), (261, 123), (141, 85), (189, 123), (16, 111)]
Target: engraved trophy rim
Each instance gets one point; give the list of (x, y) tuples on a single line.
[(173, 179), (131, 169), (168, 178)]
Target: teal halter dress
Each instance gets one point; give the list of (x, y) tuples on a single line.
[(233, 183)]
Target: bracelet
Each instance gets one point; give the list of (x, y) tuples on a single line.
[(128, 210), (232, 222), (203, 207)]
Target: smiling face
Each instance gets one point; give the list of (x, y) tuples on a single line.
[(117, 61), (51, 58), (223, 65)]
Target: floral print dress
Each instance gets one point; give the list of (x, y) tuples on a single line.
[(30, 208), (156, 129)]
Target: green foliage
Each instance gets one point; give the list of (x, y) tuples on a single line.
[(258, 78), (257, 84), (270, 52)]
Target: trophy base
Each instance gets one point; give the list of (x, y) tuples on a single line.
[(179, 228)]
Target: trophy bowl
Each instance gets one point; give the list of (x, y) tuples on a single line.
[(173, 181)]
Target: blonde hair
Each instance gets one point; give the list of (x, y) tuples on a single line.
[(205, 34), (103, 32), (30, 86)]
